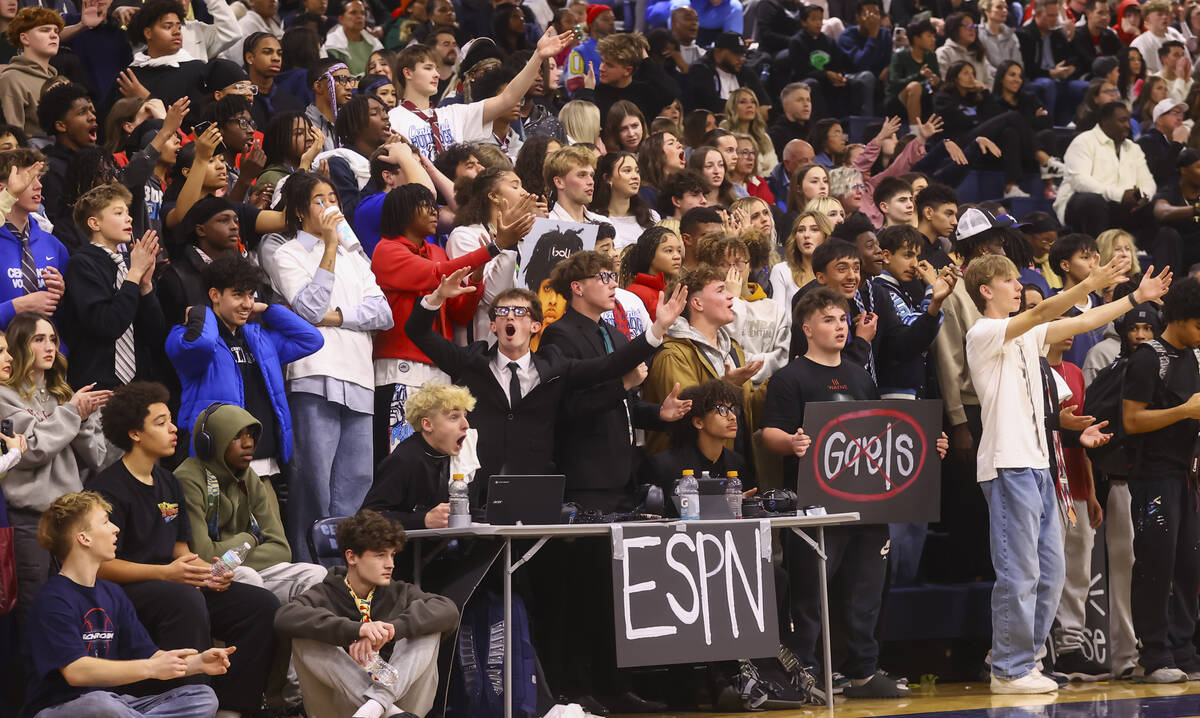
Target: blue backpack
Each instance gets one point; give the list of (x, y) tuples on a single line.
[(477, 685)]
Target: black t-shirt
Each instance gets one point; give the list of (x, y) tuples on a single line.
[(1168, 450), (802, 381), (254, 392), (1173, 194), (152, 519)]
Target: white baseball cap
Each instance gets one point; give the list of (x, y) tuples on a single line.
[(1165, 106), (977, 221)]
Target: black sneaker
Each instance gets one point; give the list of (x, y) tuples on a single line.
[(880, 685), (1075, 667), (840, 682), (801, 677)]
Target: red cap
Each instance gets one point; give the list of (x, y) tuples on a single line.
[(593, 11)]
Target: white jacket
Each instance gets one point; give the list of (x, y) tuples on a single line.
[(346, 354), (336, 41), (1093, 166), (205, 42), (251, 23), (764, 329)]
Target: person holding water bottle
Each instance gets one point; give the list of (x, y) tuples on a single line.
[(174, 592), (364, 644), (414, 482), (325, 277)]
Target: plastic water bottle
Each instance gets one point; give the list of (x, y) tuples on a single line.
[(460, 503), (381, 671), (230, 560), (733, 494), (346, 235), (689, 496)]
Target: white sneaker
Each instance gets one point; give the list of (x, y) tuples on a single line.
[(1160, 675), (1054, 167), (1032, 682), (1015, 191)]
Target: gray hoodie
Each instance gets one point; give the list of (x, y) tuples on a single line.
[(56, 434), (715, 356)]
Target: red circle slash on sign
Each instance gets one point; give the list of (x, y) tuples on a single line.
[(898, 418)]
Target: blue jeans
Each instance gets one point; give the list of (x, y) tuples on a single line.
[(182, 702), (331, 467), (1027, 553), (908, 543)]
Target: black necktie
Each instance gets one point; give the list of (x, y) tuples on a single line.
[(514, 384)]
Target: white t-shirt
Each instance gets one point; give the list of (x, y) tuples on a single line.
[(783, 287), (1008, 380), (457, 123), (498, 274), (628, 230)]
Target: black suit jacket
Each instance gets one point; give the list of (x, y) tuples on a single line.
[(704, 90), (1030, 39), (520, 439), (594, 448), (1086, 52), (94, 315)]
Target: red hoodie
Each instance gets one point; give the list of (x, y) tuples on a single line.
[(647, 287), (1127, 38), (405, 274)]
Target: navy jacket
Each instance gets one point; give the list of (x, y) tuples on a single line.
[(208, 373)]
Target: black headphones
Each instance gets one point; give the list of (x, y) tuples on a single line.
[(202, 442)]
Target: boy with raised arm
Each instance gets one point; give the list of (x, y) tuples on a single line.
[(89, 637), (432, 129), (1013, 467)]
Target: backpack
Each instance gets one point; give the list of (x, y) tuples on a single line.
[(477, 685), (1103, 400)]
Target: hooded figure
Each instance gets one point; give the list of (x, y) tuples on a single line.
[(244, 508)]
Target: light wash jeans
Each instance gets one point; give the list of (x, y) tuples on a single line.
[(331, 468), (1027, 554), (193, 701)]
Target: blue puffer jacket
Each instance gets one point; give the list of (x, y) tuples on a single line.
[(208, 372), (47, 251)]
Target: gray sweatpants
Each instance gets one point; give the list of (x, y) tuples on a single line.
[(335, 685)]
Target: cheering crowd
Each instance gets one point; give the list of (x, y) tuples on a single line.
[(274, 263)]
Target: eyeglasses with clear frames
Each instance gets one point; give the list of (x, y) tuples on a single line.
[(503, 311), (246, 87)]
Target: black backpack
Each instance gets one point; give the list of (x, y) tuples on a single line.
[(1103, 400)]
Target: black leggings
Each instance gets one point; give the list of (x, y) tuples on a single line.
[(180, 616)]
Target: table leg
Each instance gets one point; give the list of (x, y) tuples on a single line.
[(824, 579), (416, 563), (508, 568)]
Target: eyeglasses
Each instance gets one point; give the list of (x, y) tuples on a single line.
[(746, 153), (344, 79), (516, 311), (605, 277), (246, 87), (725, 410), (242, 122)]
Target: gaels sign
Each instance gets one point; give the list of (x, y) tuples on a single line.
[(878, 458)]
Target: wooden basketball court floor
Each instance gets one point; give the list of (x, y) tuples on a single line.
[(1116, 699)]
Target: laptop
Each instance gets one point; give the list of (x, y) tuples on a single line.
[(712, 499), (528, 500)]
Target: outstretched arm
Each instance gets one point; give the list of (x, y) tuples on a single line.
[(1151, 288), (1054, 307), (549, 46)]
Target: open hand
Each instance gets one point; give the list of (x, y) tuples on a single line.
[(741, 374), (1094, 436), (452, 286), (673, 408), (1152, 287), (986, 146), (19, 179), (552, 43), (215, 661), (930, 127), (669, 309)]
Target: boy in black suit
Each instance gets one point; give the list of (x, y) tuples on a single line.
[(518, 392), (596, 449)]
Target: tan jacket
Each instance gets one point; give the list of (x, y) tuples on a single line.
[(20, 88), (954, 377)]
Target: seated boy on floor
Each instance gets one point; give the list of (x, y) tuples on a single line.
[(359, 610), (88, 637)]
